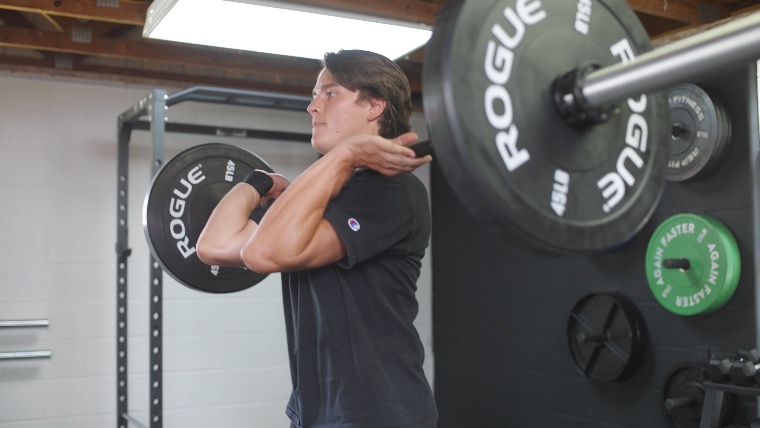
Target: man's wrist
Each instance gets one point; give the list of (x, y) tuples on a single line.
[(259, 180)]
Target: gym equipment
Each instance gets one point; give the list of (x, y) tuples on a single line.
[(692, 264), (177, 205), (550, 124), (725, 368), (537, 116), (717, 370), (743, 371), (701, 131), (422, 148), (683, 397), (605, 334)]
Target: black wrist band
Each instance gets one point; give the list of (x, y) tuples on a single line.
[(260, 181)]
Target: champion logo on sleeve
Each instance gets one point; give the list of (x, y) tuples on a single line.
[(353, 224)]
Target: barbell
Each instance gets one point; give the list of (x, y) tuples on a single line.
[(536, 113), (548, 119)]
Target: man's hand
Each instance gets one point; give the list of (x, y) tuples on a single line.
[(388, 157), (280, 184)]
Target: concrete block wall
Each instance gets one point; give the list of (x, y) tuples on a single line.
[(225, 361)]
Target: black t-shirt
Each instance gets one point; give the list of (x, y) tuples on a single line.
[(355, 355)]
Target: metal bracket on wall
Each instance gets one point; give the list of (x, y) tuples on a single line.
[(714, 392), (753, 111), (24, 355)]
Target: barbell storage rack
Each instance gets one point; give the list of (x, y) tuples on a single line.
[(153, 107)]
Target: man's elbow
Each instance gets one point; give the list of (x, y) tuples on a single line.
[(260, 259), (206, 252)]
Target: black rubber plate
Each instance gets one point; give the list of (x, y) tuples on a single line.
[(180, 200), (701, 133), (605, 334), (504, 150)]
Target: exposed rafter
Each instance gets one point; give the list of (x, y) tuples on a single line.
[(127, 12), (686, 11), (101, 39), (85, 43)]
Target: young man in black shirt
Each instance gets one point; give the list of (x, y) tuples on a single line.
[(349, 235)]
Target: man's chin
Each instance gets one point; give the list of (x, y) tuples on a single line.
[(315, 145)]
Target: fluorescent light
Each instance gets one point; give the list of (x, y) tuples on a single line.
[(276, 28)]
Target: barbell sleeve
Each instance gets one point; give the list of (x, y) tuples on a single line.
[(682, 61)]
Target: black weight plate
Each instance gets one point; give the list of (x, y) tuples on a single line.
[(701, 131), (558, 199), (605, 334), (180, 200), (682, 397), (724, 138)]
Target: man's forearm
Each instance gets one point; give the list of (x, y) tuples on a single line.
[(293, 221)]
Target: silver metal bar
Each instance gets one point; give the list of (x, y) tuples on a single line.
[(679, 62), (24, 323), (753, 117), (133, 421), (23, 355)]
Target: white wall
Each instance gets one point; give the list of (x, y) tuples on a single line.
[(225, 361)]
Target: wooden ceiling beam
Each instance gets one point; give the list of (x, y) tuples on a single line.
[(52, 21), (127, 13), (144, 77), (158, 51), (692, 30), (422, 11), (14, 19), (677, 10)]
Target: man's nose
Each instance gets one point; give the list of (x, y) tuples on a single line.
[(313, 107)]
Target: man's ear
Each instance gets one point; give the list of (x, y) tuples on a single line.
[(376, 108)]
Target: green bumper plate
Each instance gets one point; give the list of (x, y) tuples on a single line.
[(692, 264)]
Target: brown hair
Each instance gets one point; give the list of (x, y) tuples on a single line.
[(374, 76)]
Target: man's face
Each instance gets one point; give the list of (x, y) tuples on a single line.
[(336, 115)]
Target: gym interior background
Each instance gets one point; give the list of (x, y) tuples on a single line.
[(225, 357), (494, 332)]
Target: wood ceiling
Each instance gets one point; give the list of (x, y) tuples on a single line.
[(102, 39)]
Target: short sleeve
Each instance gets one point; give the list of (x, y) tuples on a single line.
[(372, 214)]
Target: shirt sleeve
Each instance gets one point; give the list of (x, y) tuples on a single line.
[(372, 214)]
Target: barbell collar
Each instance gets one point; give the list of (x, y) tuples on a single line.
[(682, 61), (571, 103)]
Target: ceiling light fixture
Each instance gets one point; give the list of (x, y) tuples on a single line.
[(280, 28)]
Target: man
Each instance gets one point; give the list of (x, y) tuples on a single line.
[(348, 235)]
